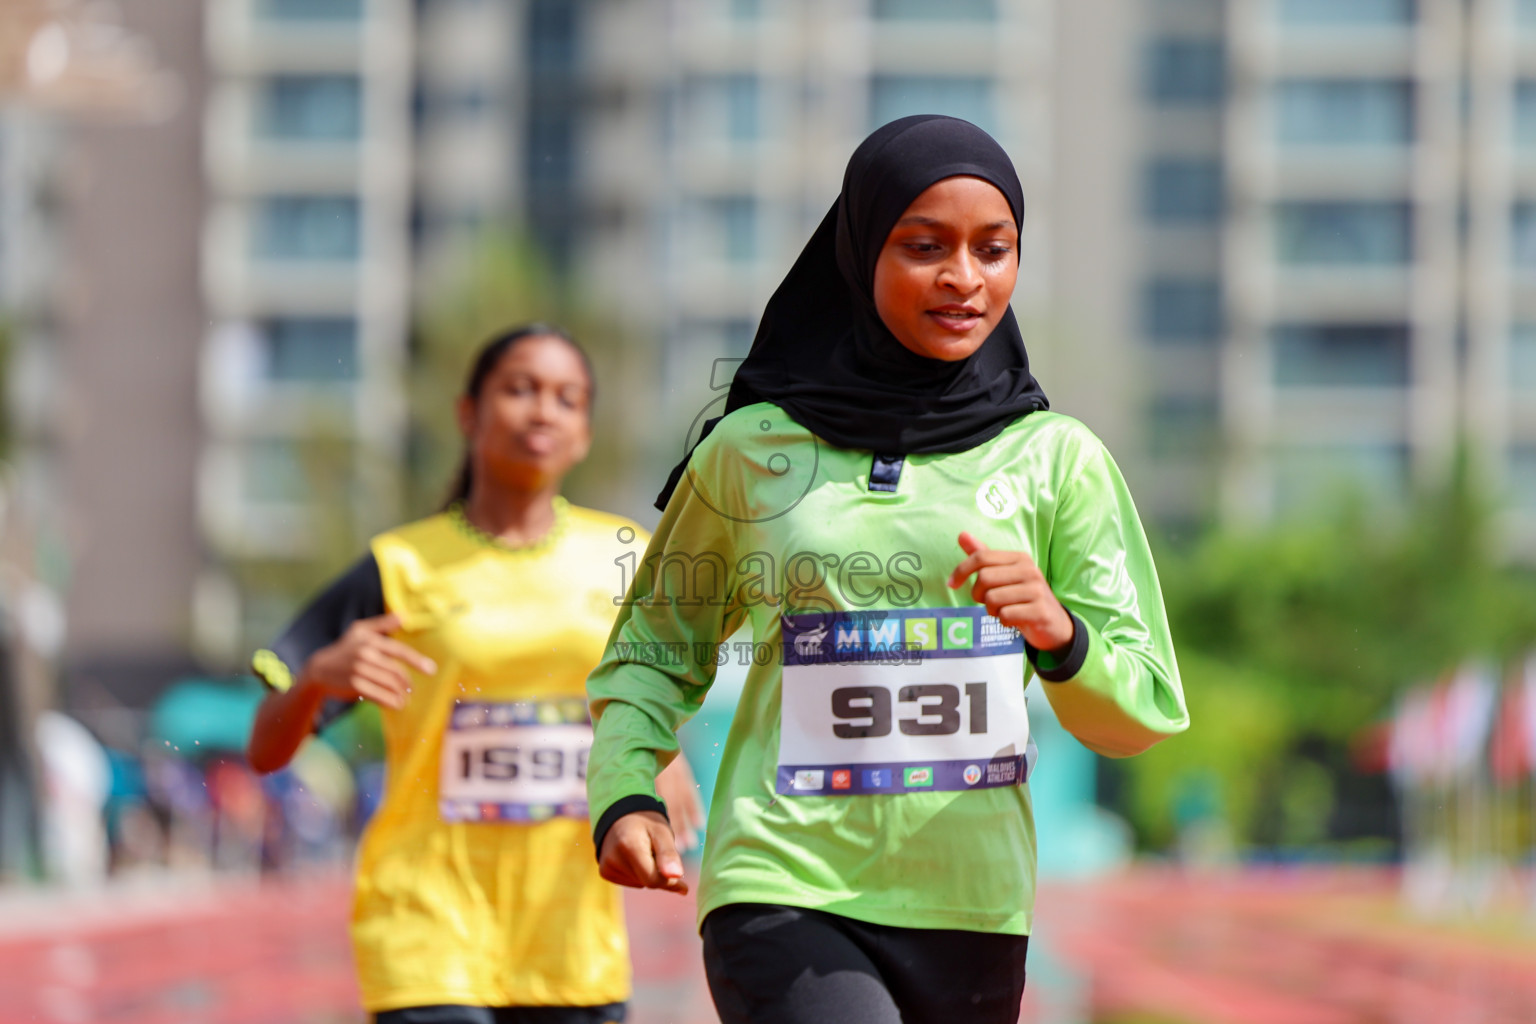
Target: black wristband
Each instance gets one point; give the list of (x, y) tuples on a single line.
[(1069, 659), (616, 810)]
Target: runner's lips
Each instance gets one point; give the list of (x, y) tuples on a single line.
[(539, 442), (955, 318)]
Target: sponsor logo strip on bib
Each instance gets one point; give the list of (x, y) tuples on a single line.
[(856, 780), (916, 700), (518, 761)]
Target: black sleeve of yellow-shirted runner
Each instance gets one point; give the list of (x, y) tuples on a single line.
[(357, 594)]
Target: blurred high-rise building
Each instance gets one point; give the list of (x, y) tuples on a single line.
[(1274, 249), (670, 157), (472, 98), (308, 153), (28, 249), (121, 357), (1334, 237), (1269, 245), (714, 136), (29, 287)]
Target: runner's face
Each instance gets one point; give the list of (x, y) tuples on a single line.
[(530, 424), (947, 270)]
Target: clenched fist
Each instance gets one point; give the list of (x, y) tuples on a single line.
[(1015, 592)]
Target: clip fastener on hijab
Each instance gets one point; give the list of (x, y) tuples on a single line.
[(885, 472), (822, 353)]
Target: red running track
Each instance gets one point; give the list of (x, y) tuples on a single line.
[(1287, 946), (1296, 947), (228, 952)]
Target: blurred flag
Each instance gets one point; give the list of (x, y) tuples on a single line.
[(1511, 752), (1370, 749), (1470, 700), (1411, 748), (1528, 684), (1509, 757)]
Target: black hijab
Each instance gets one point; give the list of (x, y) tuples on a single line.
[(822, 353)]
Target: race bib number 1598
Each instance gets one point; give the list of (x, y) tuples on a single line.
[(519, 761)]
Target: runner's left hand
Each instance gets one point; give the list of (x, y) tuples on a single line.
[(638, 851), (677, 789), (1015, 592)]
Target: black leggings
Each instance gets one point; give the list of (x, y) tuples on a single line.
[(613, 1014), (784, 965)]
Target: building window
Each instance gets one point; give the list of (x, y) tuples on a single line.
[(1341, 355), (311, 10), (551, 149), (1184, 425), (312, 107), (1522, 357), (1347, 12), (311, 349), (1522, 234), (1183, 191), (929, 10), (1343, 112), (553, 31), (741, 104), (1185, 71), (965, 97), (1522, 476), (728, 106), (1525, 113), (1310, 476), (732, 225), (1343, 233), (307, 228), (468, 101), (743, 108), (1182, 310)]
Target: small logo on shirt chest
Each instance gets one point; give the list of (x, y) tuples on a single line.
[(995, 499)]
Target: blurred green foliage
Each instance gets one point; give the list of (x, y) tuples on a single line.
[(5, 388), (1295, 638), (348, 490)]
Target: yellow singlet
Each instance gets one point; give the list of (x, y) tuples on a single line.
[(476, 880)]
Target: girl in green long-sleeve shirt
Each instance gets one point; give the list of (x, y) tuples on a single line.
[(907, 532)]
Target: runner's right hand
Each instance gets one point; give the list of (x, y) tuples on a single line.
[(367, 662), (639, 852)]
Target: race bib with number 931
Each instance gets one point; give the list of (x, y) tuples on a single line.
[(916, 700), (519, 761)]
